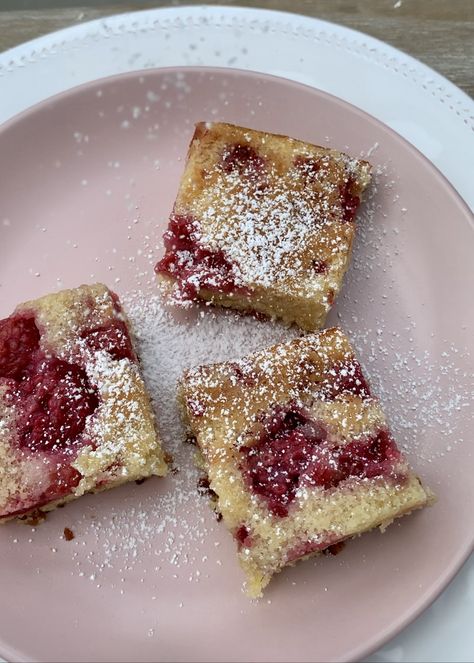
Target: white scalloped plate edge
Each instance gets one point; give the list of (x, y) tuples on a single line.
[(51, 44), (449, 108)]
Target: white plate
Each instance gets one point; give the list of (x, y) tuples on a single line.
[(418, 103)]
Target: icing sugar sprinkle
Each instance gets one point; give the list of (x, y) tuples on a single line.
[(147, 523), (261, 254), (162, 530)]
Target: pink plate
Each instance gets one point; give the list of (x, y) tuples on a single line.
[(87, 180)]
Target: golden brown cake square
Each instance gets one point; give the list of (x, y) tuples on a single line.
[(297, 451), (75, 415), (263, 223)]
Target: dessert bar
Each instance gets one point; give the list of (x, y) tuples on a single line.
[(297, 451), (262, 223), (75, 416)]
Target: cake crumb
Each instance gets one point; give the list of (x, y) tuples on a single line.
[(68, 534)]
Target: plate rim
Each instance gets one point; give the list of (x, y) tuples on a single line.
[(454, 566), (49, 43), (82, 87)]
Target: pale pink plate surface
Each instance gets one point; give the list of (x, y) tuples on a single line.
[(86, 183)]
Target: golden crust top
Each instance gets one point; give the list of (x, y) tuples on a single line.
[(272, 203), (119, 441), (296, 450)]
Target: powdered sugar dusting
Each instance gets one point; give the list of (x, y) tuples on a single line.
[(417, 388), (265, 255), (146, 523), (163, 529), (168, 346), (418, 384), (116, 384), (263, 212)]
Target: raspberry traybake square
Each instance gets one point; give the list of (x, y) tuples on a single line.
[(75, 416), (297, 451), (262, 223)]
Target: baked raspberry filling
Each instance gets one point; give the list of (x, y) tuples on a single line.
[(52, 397), (242, 159), (19, 338), (319, 266), (345, 378), (242, 535), (192, 265), (113, 338), (241, 374), (349, 202), (62, 480), (52, 402), (274, 465), (309, 168), (294, 451), (313, 170), (196, 406)]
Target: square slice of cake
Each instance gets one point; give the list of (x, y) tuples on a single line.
[(75, 416), (262, 223), (297, 451)]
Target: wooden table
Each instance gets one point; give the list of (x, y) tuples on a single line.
[(440, 33)]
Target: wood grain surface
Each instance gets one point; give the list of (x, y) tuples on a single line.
[(440, 33)]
